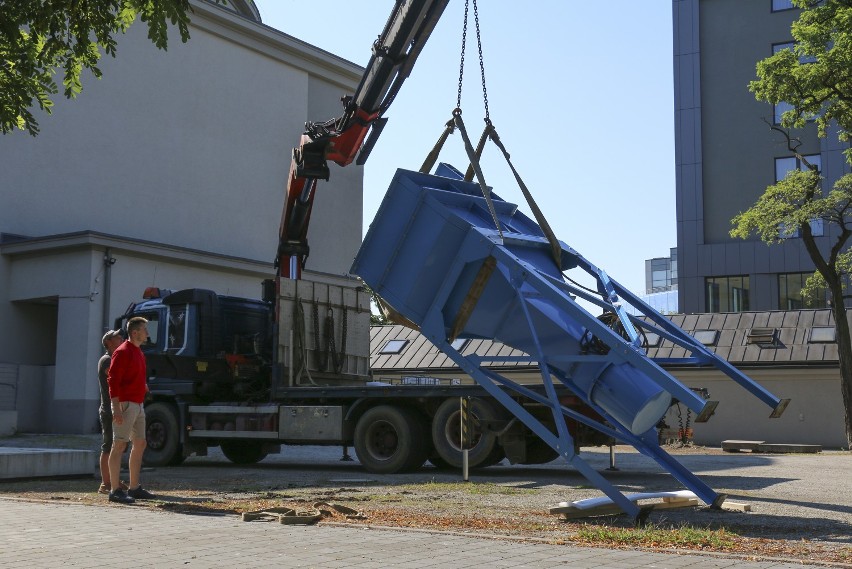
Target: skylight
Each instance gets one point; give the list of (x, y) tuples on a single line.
[(706, 337), (393, 346)]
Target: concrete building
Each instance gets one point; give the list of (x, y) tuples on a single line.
[(169, 171), (726, 156)]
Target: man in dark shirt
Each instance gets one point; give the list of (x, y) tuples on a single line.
[(127, 388), (110, 341)]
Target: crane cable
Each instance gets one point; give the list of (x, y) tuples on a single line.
[(489, 133)]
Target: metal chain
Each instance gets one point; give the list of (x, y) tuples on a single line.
[(461, 65), (481, 62)]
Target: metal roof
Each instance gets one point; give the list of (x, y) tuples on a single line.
[(421, 354), (742, 338)]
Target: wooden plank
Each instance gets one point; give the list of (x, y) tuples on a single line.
[(736, 506)]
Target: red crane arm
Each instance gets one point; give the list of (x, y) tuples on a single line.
[(340, 140)]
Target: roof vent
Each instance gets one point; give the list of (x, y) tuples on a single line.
[(761, 336)]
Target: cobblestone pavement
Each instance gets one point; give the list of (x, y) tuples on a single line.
[(50, 534)]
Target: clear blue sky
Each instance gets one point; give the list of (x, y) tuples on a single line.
[(580, 92)]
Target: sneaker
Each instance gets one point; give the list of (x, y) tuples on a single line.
[(120, 497), (140, 493), (104, 489)]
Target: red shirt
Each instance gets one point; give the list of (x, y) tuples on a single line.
[(126, 375)]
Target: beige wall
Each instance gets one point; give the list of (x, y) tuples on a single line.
[(814, 415)]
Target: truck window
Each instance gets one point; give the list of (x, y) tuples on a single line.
[(153, 319), (176, 339)]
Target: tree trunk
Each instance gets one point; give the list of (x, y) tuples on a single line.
[(844, 353)]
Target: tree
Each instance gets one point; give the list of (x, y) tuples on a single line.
[(37, 38), (815, 80)]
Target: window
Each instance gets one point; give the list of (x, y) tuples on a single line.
[(652, 340), (706, 337), (727, 294), (393, 347), (781, 5), (787, 164), (177, 328), (782, 107), (822, 335), (790, 293), (153, 319)]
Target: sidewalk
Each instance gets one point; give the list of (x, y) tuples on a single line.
[(39, 534)]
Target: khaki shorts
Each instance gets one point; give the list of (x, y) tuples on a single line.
[(133, 424)]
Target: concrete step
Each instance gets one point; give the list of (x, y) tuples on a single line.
[(762, 446), (737, 446), (789, 448), (43, 462)]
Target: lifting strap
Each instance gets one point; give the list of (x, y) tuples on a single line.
[(555, 247), (475, 154)]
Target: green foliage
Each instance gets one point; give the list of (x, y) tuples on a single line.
[(816, 77), (37, 38)]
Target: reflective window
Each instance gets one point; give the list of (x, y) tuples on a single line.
[(823, 334), (790, 297), (393, 346), (177, 328), (781, 5), (727, 294)]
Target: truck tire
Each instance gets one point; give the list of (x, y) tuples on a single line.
[(389, 439), (162, 435), (446, 430), (243, 452)]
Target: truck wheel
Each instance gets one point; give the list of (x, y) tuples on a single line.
[(389, 440), (446, 431), (162, 435), (243, 452)]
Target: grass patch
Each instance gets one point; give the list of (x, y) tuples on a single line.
[(652, 536)]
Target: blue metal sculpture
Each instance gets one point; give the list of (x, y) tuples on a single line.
[(433, 253)]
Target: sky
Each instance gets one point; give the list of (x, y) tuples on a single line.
[(581, 94)]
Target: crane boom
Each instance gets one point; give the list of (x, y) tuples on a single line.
[(341, 139)]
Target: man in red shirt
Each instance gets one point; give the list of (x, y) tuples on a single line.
[(127, 389)]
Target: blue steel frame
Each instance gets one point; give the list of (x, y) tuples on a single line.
[(532, 282)]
